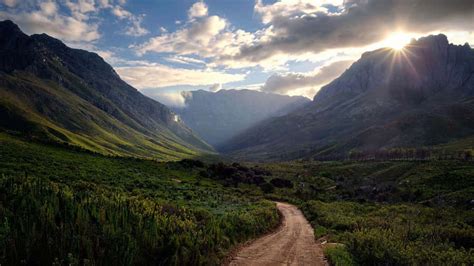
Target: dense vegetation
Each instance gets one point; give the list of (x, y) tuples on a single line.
[(58, 205), (399, 234), (403, 212), (67, 207)]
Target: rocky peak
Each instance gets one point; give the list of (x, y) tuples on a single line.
[(435, 42), (423, 68), (9, 29)]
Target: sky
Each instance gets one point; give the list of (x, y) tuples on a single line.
[(292, 47)]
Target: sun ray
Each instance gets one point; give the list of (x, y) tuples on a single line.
[(397, 40)]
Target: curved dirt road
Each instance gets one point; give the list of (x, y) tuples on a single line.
[(292, 244)]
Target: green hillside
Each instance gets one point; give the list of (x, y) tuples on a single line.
[(57, 94)]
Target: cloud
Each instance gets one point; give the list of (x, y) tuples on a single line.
[(10, 3), (66, 28), (197, 38), (202, 35), (49, 8), (80, 9), (177, 99), (185, 60), (170, 99), (198, 9), (71, 21), (287, 8), (45, 17), (135, 28), (307, 83), (104, 3), (216, 87), (106, 55), (355, 23), (156, 76), (121, 13)]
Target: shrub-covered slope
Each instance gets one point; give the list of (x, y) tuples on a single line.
[(52, 92), (59, 206)]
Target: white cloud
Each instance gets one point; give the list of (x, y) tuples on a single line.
[(185, 60), (304, 83), (135, 28), (156, 76), (288, 8), (216, 87), (170, 99), (198, 9), (63, 27), (81, 8), (49, 8), (459, 37), (121, 13), (199, 37), (10, 3), (202, 36), (79, 25), (45, 17), (104, 3), (106, 55)]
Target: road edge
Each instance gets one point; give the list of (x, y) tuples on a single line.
[(236, 249)]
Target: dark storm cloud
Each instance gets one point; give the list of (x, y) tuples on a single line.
[(362, 22)]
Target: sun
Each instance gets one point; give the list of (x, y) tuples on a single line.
[(397, 40)]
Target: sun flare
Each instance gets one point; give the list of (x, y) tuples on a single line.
[(397, 40)]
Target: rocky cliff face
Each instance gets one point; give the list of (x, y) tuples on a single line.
[(219, 116), (419, 96), (77, 93), (412, 75)]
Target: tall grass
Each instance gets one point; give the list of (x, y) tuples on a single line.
[(43, 222)]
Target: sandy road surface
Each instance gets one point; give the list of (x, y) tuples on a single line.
[(292, 244)]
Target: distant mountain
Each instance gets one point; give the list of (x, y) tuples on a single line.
[(218, 116), (422, 95), (54, 93)]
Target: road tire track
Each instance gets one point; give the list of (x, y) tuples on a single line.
[(292, 244)]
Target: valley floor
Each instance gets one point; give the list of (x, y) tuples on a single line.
[(63, 206)]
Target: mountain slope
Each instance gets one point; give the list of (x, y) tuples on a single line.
[(422, 95), (219, 116), (54, 93)]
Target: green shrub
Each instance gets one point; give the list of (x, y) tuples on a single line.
[(338, 256)]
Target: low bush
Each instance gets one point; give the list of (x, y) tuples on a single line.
[(339, 256)]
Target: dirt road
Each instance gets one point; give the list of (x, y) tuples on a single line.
[(292, 244)]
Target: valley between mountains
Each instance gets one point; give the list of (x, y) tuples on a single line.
[(377, 169)]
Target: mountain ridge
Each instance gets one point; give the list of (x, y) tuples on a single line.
[(218, 116), (419, 96), (73, 96)]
